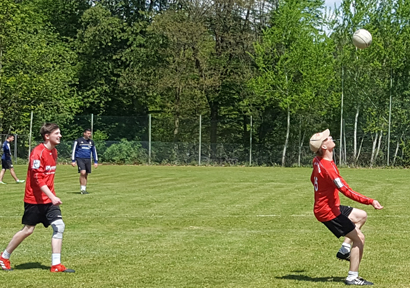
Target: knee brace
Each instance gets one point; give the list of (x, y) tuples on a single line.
[(58, 229)]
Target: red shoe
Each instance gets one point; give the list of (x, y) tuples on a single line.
[(5, 263), (61, 268)]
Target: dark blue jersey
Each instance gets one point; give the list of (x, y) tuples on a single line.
[(83, 149), (6, 151)]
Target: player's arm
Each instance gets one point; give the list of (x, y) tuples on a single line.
[(333, 175), (73, 154), (54, 199), (95, 156)]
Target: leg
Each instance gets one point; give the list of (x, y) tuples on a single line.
[(83, 178), (56, 244), (356, 254), (358, 217), (13, 174), (2, 174), (57, 239), (19, 237)]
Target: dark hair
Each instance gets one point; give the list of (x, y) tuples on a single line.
[(9, 135), (86, 130), (48, 128)]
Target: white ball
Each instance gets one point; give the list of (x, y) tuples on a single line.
[(362, 38)]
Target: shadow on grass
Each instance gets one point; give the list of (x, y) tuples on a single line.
[(31, 265), (311, 279)]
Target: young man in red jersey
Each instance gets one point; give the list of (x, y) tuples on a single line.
[(340, 220), (41, 205)]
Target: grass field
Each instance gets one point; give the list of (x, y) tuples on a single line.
[(205, 227)]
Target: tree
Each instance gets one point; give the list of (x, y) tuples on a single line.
[(294, 62)]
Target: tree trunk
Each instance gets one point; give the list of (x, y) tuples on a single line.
[(360, 149), (396, 151), (378, 145), (214, 128), (373, 149), (287, 139), (355, 136)]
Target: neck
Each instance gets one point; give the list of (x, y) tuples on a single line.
[(48, 145), (327, 155)]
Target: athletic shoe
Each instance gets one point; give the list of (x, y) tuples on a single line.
[(20, 181), (1, 182), (358, 281), (5, 263), (61, 268), (84, 192), (342, 256)]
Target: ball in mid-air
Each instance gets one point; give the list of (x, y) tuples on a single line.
[(362, 38)]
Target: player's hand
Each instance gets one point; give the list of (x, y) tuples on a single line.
[(377, 205), (56, 201), (95, 165), (73, 164)]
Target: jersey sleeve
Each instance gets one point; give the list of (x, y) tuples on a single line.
[(74, 150), (344, 188), (38, 170), (94, 152)]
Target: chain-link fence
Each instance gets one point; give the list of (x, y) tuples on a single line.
[(201, 141)]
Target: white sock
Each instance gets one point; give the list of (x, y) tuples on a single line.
[(345, 248), (55, 258), (6, 255), (352, 275), (82, 188)]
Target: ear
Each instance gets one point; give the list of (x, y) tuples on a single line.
[(324, 147)]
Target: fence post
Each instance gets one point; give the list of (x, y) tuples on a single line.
[(250, 144), (92, 124), (200, 140), (149, 139), (29, 137), (15, 148)]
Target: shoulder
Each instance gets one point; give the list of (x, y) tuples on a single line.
[(38, 150)]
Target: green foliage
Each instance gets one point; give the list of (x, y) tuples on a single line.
[(125, 152), (38, 71)]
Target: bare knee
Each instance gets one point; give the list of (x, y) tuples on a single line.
[(358, 217), (27, 230)]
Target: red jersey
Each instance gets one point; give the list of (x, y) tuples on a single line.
[(41, 171), (327, 183)]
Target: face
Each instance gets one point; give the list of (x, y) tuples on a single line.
[(10, 139), (54, 137), (328, 143), (87, 134)]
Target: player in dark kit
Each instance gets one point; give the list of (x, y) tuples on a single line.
[(82, 150), (41, 205), (6, 160), (340, 220)]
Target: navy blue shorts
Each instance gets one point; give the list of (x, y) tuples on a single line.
[(6, 164), (84, 164)]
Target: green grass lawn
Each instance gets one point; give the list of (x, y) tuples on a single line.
[(155, 226)]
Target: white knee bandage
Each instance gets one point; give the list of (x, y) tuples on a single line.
[(58, 229)]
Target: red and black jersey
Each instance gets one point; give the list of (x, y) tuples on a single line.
[(41, 171), (327, 183)]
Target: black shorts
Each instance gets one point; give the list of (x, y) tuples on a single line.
[(341, 225), (40, 213), (6, 164), (84, 164)]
